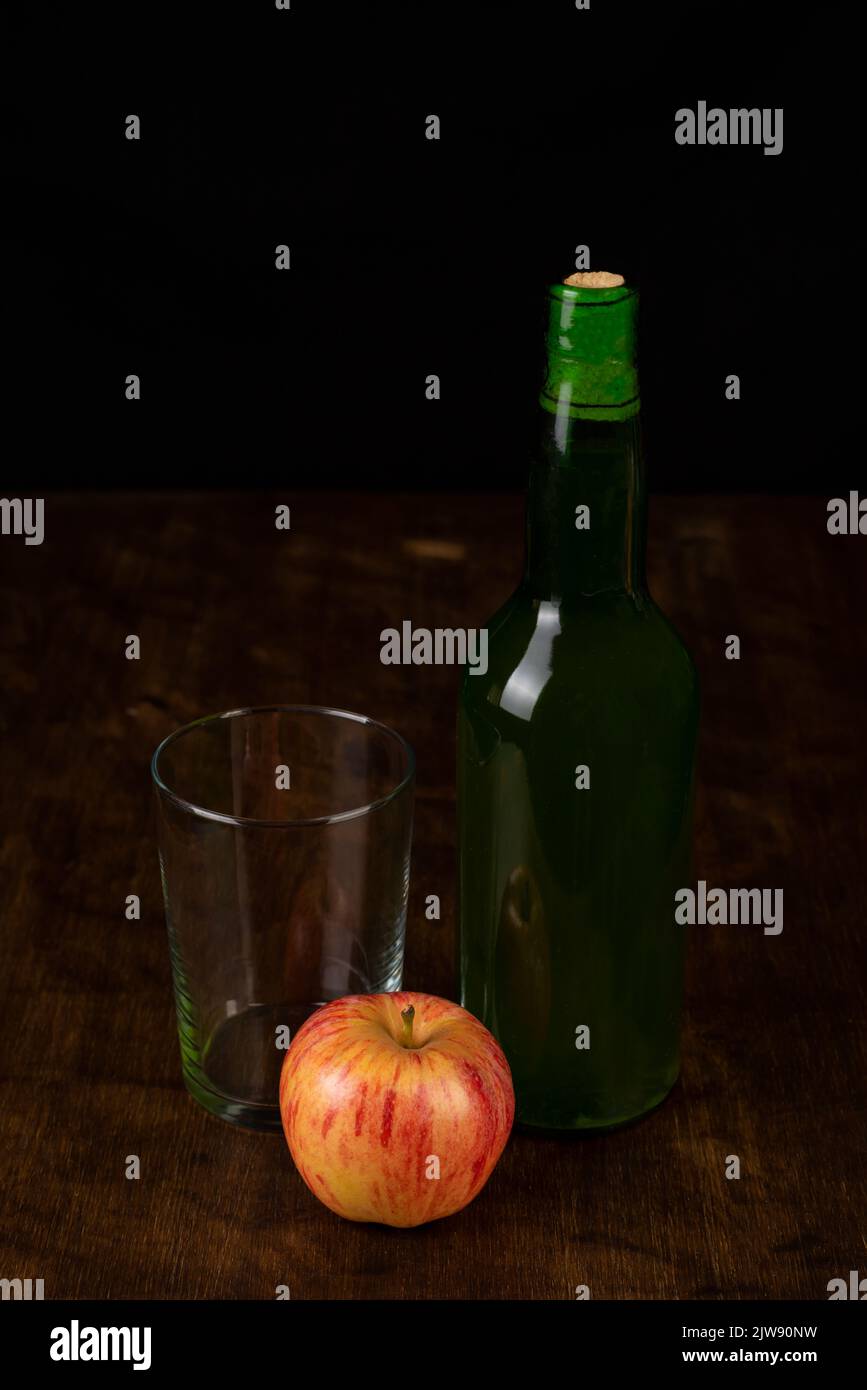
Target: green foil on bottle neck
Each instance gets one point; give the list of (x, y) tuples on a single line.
[(591, 344)]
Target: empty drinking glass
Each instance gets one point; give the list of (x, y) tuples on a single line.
[(284, 838)]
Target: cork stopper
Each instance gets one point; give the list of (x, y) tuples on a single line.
[(594, 280)]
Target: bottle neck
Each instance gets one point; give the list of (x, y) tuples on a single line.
[(586, 513), (586, 509)]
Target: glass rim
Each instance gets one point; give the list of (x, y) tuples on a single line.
[(223, 818)]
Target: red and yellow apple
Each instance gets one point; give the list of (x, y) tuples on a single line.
[(395, 1107)]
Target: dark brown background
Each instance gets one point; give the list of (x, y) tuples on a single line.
[(232, 612)]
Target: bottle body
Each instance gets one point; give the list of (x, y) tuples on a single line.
[(575, 768)]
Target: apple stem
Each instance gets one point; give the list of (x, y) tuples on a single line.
[(407, 1015)]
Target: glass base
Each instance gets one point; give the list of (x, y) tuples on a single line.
[(264, 1119), (239, 1074)]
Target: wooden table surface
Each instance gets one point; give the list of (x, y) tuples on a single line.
[(230, 612)]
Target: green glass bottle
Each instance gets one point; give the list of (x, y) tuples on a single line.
[(575, 759)]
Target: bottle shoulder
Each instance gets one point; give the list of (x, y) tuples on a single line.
[(580, 651)]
